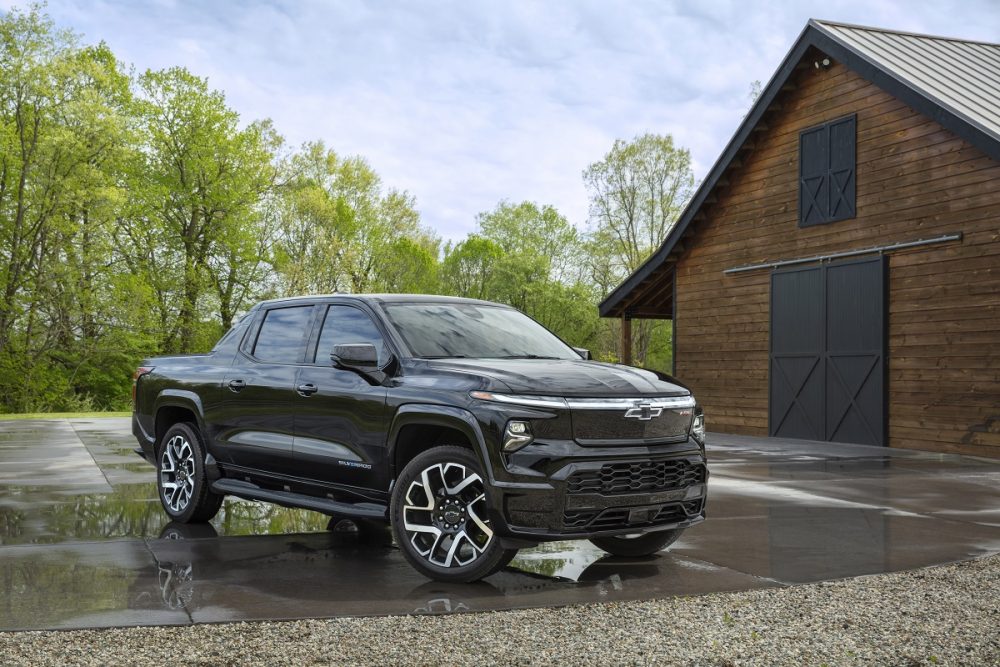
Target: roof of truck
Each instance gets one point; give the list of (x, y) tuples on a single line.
[(380, 298)]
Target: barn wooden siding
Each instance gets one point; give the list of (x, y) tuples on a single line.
[(915, 180)]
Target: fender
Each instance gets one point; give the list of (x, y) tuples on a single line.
[(181, 398), (439, 415)]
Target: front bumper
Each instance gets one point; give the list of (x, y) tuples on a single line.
[(588, 493)]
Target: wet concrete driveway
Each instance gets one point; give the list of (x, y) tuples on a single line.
[(84, 543)]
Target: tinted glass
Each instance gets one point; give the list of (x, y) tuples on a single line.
[(343, 325), (474, 331), (233, 336), (282, 335)]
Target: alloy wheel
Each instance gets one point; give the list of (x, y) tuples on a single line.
[(177, 473), (444, 515)]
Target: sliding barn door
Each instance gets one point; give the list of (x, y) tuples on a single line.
[(827, 361)]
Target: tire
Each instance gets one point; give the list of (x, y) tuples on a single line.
[(446, 534), (637, 546), (180, 476)]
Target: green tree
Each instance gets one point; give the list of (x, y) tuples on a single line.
[(63, 133), (470, 268), (201, 178), (341, 230), (85, 294), (32, 166), (637, 191)]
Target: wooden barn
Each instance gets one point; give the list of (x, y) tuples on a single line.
[(837, 275)]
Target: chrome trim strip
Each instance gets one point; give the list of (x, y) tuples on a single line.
[(666, 403), (515, 399)]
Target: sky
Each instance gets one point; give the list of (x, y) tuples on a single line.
[(468, 103)]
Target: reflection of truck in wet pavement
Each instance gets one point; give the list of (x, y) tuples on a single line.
[(466, 425), (348, 572)]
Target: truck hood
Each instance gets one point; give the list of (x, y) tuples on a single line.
[(566, 377)]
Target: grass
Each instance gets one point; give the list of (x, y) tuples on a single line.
[(62, 415)]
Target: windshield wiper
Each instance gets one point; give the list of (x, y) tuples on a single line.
[(442, 356)]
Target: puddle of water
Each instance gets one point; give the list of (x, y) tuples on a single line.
[(565, 560), (36, 515)]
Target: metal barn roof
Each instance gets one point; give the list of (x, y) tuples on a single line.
[(961, 75), (955, 82)]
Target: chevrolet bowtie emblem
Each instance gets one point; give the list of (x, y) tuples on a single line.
[(643, 412)]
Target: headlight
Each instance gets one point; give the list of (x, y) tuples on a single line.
[(698, 426), (516, 435)]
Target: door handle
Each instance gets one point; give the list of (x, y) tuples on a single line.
[(236, 386), (307, 389)]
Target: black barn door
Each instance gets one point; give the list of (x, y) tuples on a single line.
[(827, 365)]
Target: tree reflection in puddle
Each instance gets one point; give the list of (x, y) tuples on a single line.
[(41, 515)]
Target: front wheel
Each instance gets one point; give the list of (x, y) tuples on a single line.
[(180, 477), (440, 517), (636, 546)]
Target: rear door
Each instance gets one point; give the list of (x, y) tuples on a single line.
[(340, 417), (257, 416)]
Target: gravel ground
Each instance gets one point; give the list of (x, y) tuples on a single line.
[(947, 615)]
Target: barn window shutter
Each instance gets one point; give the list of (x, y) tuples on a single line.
[(842, 167), (827, 171)]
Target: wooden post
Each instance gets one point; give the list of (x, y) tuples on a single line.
[(626, 340)]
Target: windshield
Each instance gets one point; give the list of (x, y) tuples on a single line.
[(442, 330)]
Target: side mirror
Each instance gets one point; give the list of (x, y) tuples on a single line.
[(355, 356), (583, 352)]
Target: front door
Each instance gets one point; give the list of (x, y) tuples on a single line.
[(827, 361), (340, 417)]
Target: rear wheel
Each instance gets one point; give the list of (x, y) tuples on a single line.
[(440, 516), (634, 546), (180, 477)]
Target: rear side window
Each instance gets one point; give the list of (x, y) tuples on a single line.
[(231, 340), (344, 325), (282, 335)]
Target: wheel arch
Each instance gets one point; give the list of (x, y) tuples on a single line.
[(415, 424), (173, 406)]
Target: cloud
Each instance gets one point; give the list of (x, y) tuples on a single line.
[(467, 103)]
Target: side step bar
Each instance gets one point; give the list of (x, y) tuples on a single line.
[(241, 489)]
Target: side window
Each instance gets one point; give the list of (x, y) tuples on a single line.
[(282, 335), (827, 166), (346, 324), (231, 340)]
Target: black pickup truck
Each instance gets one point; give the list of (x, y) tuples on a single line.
[(467, 426)]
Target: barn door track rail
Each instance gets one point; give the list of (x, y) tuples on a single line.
[(882, 249)]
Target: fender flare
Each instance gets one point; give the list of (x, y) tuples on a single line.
[(189, 400), (439, 415), (180, 398)]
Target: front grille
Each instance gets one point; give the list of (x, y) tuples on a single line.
[(636, 477), (617, 517), (611, 427)]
